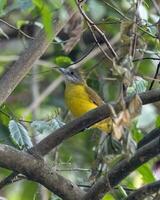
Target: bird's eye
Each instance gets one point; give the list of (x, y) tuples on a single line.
[(72, 72)]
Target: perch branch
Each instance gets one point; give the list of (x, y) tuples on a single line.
[(37, 170), (87, 120)]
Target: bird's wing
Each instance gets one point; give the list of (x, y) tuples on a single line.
[(94, 97)]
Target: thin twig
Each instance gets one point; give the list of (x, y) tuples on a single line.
[(155, 76), (17, 29), (83, 56), (145, 58), (5, 114), (145, 191), (103, 51), (116, 9), (151, 79), (134, 30), (79, 5), (127, 18)]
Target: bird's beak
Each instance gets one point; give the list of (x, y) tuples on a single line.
[(62, 70)]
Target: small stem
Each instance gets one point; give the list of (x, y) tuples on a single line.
[(92, 24), (155, 76)]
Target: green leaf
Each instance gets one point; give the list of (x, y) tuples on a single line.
[(46, 16), (136, 133), (20, 23), (38, 3), (158, 121), (47, 127), (146, 173), (5, 136), (19, 135), (108, 197), (2, 5), (139, 85), (122, 191), (63, 61)]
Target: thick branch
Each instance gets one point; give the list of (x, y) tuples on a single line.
[(145, 191), (149, 137), (123, 169), (38, 171), (23, 65), (87, 120), (79, 124)]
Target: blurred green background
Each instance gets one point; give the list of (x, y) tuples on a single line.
[(74, 158)]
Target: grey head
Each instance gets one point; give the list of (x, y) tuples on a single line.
[(71, 75)]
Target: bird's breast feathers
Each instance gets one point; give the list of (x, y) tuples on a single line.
[(78, 100)]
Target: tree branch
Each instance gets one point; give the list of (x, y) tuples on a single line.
[(155, 76), (37, 170), (123, 169), (145, 191), (23, 65), (149, 137), (77, 125), (90, 118)]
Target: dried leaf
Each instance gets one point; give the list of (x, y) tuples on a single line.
[(121, 121), (117, 131), (135, 106), (128, 78), (74, 29), (124, 118)]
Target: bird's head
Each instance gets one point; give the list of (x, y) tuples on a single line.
[(71, 75)]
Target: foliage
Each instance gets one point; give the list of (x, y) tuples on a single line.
[(20, 20), (19, 135)]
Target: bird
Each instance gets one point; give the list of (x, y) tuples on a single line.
[(80, 98)]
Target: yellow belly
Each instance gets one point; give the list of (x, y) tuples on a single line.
[(78, 102)]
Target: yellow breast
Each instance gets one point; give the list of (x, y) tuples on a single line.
[(77, 99), (78, 102)]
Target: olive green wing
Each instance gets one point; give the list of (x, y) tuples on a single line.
[(94, 97)]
